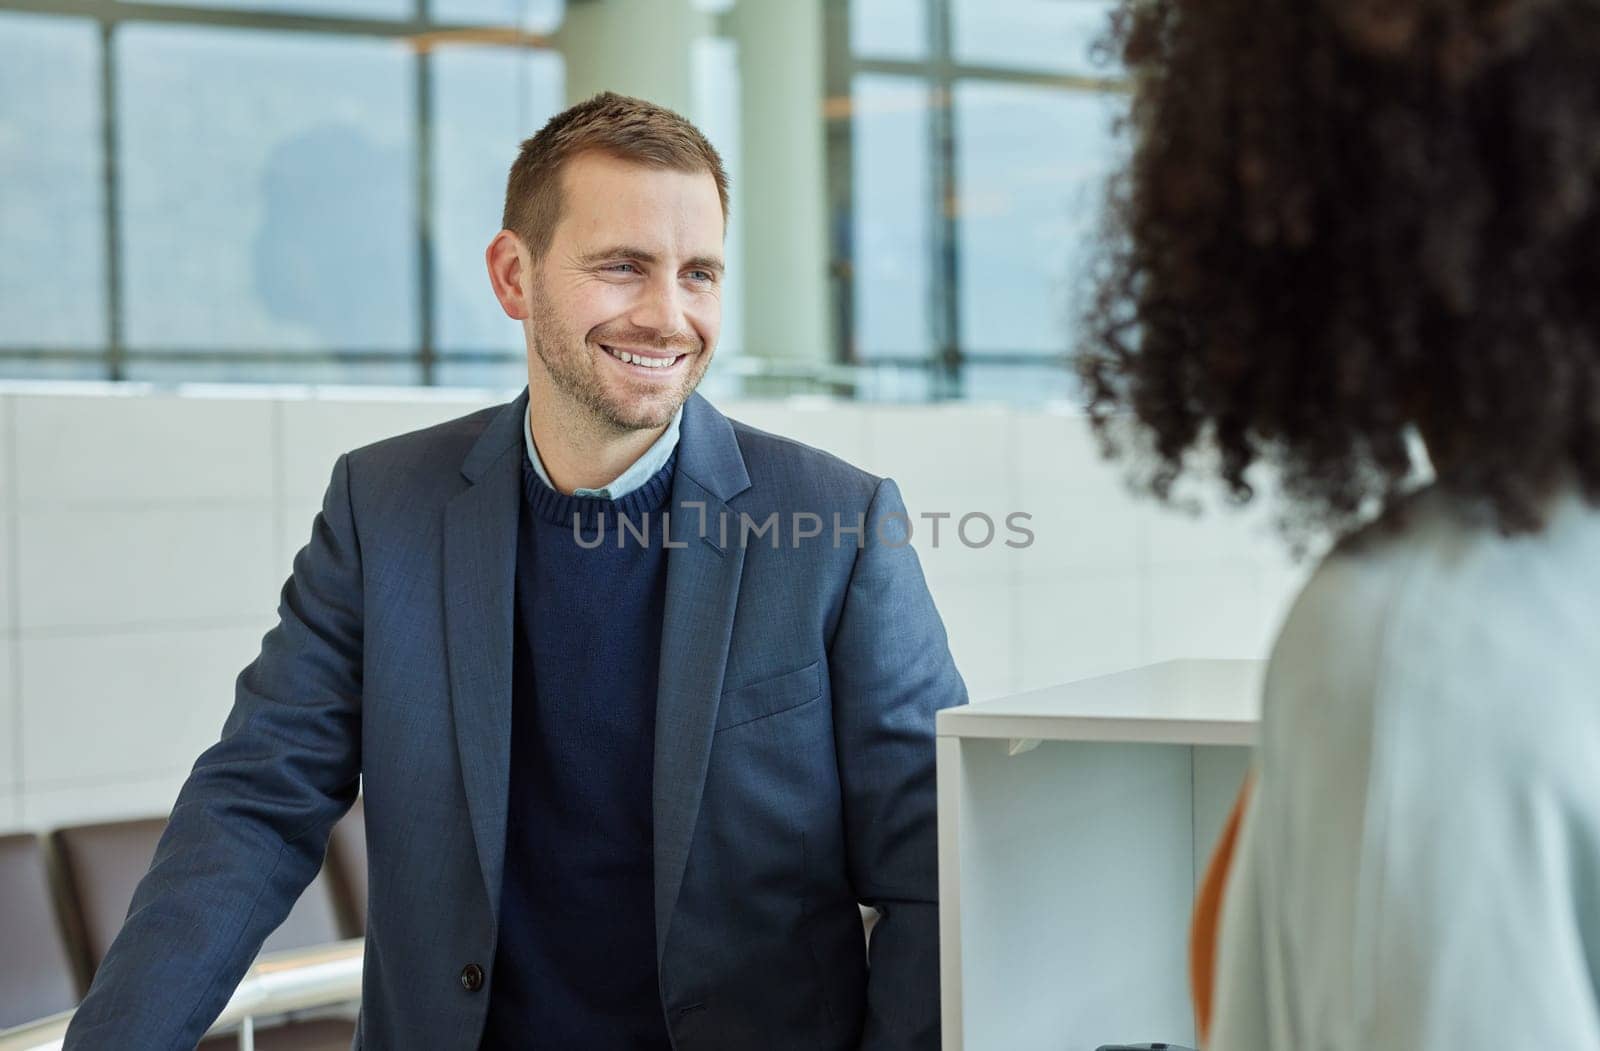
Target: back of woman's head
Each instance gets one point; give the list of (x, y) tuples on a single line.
[(1348, 221)]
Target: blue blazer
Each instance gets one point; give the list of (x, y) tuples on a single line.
[(794, 757)]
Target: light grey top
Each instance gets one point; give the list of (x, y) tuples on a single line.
[(643, 469), (1420, 864)]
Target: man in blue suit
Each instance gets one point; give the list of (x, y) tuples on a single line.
[(640, 699)]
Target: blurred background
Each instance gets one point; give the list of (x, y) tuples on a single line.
[(238, 237)]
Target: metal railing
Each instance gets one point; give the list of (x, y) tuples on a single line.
[(278, 983)]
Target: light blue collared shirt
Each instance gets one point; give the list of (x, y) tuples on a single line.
[(643, 469)]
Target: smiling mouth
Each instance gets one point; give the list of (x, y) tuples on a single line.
[(646, 362)]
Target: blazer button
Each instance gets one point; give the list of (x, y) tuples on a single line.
[(472, 977)]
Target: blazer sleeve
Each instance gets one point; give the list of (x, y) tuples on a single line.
[(250, 825), (891, 670)]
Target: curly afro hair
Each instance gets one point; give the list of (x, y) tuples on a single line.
[(1346, 223)]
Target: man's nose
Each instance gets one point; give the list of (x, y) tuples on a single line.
[(660, 308)]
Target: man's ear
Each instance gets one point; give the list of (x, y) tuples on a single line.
[(510, 273)]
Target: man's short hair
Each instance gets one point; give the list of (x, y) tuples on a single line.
[(628, 129)]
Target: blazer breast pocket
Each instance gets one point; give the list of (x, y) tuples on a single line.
[(791, 689)]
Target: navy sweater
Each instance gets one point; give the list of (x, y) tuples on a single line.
[(576, 962)]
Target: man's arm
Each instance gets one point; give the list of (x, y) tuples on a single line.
[(250, 826), (891, 669)]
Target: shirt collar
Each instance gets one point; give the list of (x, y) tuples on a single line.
[(643, 469)]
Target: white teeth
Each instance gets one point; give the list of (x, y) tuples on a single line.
[(639, 359)]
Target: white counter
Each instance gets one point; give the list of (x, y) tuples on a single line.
[(1074, 823)]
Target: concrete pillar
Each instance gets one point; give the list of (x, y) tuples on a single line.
[(782, 197), (635, 47)]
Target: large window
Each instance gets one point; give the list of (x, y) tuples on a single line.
[(968, 169), (301, 190), (262, 189)]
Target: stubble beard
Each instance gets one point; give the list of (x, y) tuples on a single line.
[(574, 368)]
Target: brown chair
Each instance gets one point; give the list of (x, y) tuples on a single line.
[(36, 974), (98, 867), (347, 869), (101, 865)]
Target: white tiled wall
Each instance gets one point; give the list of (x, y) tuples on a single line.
[(125, 705), (99, 800), (144, 540), (10, 773), (145, 536), (7, 531), (10, 706), (1073, 625), (141, 451), (111, 567)]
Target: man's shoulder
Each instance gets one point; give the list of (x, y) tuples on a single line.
[(788, 467)]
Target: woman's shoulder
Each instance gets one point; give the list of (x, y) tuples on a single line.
[(1439, 624)]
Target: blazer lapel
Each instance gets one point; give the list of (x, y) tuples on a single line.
[(480, 558), (702, 595)]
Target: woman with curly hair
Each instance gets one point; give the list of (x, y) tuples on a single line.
[(1351, 231)]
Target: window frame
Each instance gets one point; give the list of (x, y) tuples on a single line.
[(423, 30), (940, 72)]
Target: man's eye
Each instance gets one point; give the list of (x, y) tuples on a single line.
[(621, 268), (702, 275)]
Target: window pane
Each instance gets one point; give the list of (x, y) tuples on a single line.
[(889, 28), (1054, 35), (1019, 384), (1031, 165), (898, 383), (285, 370), (534, 16), (52, 201), (344, 8), (891, 247), (54, 369), (485, 101), (268, 194), (488, 375)]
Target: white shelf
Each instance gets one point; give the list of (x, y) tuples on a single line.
[(1209, 702)]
